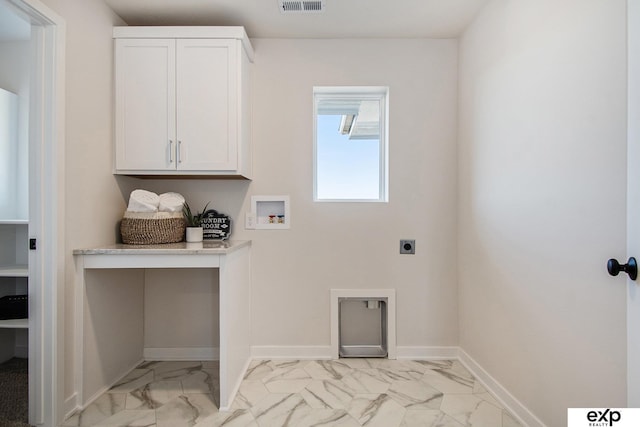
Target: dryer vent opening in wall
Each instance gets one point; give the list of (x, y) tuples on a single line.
[(301, 6), (363, 323), (363, 327)]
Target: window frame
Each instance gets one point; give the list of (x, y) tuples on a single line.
[(380, 93)]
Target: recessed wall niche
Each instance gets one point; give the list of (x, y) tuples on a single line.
[(271, 212)]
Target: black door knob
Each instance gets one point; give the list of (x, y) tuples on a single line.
[(631, 267)]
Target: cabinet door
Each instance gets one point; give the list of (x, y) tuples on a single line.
[(207, 103), (145, 104)]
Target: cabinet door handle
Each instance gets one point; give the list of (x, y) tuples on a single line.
[(179, 151), (170, 151)]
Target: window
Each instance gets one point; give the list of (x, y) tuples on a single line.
[(350, 144)]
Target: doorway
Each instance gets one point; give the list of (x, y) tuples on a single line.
[(15, 46), (36, 197)]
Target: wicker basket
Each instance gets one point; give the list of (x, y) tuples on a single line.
[(141, 231)]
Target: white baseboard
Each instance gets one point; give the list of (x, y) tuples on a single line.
[(236, 387), (324, 352), (429, 353), (506, 399), (70, 405), (181, 353), (290, 352), (104, 389)]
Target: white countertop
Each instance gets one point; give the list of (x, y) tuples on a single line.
[(207, 247)]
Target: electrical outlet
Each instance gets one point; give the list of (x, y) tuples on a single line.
[(408, 247), (250, 221)]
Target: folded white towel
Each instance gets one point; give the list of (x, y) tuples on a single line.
[(143, 201), (171, 202)]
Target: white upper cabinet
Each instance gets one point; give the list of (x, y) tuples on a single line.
[(183, 101)]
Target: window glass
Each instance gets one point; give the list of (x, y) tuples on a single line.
[(350, 144)]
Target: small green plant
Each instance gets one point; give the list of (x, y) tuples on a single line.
[(193, 220)]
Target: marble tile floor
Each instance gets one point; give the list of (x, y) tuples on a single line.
[(278, 393)]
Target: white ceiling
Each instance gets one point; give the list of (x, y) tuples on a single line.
[(341, 18)]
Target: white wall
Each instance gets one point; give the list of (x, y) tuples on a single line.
[(14, 77), (93, 202), (180, 309), (348, 245), (542, 201)]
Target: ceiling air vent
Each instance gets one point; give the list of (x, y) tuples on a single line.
[(301, 6)]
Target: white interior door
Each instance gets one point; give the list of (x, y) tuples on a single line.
[(633, 204)]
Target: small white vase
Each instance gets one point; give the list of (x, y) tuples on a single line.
[(194, 234)]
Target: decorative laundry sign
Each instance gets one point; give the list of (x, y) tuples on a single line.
[(215, 226)]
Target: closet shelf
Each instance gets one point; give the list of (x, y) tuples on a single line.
[(14, 222), (14, 324), (14, 271)]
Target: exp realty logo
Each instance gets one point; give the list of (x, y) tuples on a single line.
[(603, 417)]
